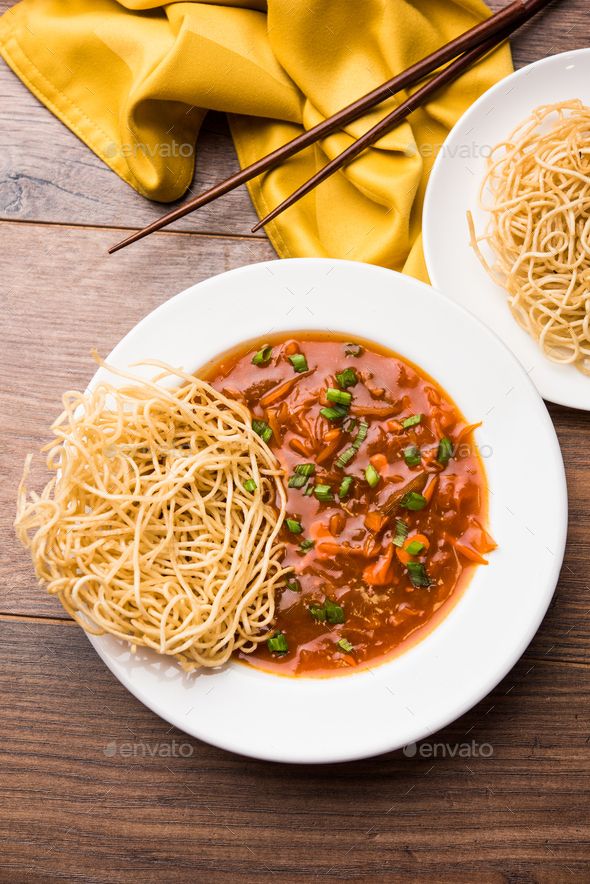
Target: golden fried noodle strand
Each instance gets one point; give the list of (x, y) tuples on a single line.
[(537, 191), (151, 530)]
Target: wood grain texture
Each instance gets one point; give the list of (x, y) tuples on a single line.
[(93, 786), (97, 789), (68, 183)]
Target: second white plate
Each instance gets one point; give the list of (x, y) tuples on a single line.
[(453, 190)]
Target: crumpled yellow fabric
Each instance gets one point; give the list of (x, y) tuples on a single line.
[(134, 79)]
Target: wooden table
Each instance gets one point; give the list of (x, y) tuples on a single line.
[(75, 803)]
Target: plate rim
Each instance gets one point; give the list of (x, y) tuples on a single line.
[(452, 710)]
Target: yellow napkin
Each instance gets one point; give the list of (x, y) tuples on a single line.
[(134, 79)]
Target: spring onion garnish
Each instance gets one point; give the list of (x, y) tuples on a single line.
[(361, 435), (299, 362), (250, 485), (344, 459), (336, 413), (401, 533), (306, 544), (263, 356), (349, 424), (334, 612), (305, 469), (345, 487), (323, 493), (293, 585), (413, 501), (352, 349), (418, 575), (412, 455), (308, 491), (345, 645), (294, 526), (262, 429), (277, 644), (296, 481), (340, 397), (317, 612), (372, 476), (411, 421), (414, 548), (445, 451), (347, 378)]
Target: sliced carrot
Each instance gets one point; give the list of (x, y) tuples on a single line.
[(280, 390), (430, 489), (380, 573), (374, 521), (466, 431), (300, 447), (402, 553), (379, 461), (328, 450), (334, 433), (382, 411), (272, 420), (469, 553), (394, 426), (290, 348)]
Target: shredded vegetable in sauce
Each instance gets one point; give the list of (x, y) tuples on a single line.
[(387, 499)]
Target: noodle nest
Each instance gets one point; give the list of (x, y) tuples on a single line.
[(151, 529), (537, 191)]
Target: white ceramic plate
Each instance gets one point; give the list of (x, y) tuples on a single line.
[(401, 701), (453, 189)]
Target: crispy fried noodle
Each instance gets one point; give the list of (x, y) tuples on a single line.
[(537, 191), (160, 525)]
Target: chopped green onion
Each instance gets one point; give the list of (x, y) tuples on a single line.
[(412, 455), (308, 491), (349, 425), (299, 362), (414, 548), (445, 451), (334, 612), (361, 434), (323, 493), (262, 429), (250, 485), (334, 414), (401, 533), (347, 378), (411, 421), (418, 575), (297, 481), (305, 469), (263, 356), (372, 476), (277, 644), (344, 459), (345, 645), (340, 397), (306, 544), (317, 612), (294, 526), (293, 585), (352, 349), (345, 487), (413, 501)]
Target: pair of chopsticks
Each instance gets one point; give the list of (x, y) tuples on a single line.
[(459, 55)]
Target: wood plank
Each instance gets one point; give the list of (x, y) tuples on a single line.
[(62, 296), (99, 795), (68, 183)]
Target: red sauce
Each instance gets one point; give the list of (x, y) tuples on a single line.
[(358, 596)]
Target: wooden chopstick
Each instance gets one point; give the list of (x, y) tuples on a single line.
[(503, 22)]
